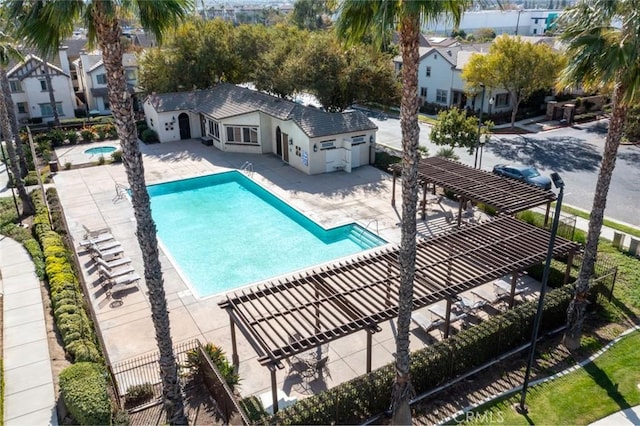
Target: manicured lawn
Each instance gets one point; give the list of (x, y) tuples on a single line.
[(607, 385), (609, 223)]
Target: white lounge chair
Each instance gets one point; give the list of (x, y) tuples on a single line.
[(116, 272), (425, 323), (94, 233), (121, 283), (112, 263), (100, 239), (107, 254)]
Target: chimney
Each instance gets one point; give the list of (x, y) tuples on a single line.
[(64, 59)]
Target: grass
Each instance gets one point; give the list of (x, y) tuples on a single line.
[(427, 120), (607, 222), (600, 388)]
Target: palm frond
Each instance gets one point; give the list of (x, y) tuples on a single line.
[(158, 16)]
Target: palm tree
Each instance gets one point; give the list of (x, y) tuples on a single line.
[(601, 55), (7, 118), (44, 24), (373, 18)]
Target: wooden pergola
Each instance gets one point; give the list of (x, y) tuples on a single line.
[(506, 195), (285, 317)]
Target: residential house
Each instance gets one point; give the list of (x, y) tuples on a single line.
[(92, 80), (237, 119), (30, 90)]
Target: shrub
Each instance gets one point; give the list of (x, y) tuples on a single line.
[(72, 137), (84, 391), (139, 394), (35, 251), (384, 160), (101, 160), (31, 178), (67, 165), (87, 135), (219, 359), (57, 137), (149, 136), (116, 156)]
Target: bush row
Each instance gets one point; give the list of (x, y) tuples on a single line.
[(67, 302), (370, 394), (83, 385)]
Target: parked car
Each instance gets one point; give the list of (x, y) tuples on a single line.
[(526, 174)]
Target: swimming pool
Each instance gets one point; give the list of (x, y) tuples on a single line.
[(100, 150), (224, 231)]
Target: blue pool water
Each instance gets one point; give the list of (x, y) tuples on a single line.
[(225, 231), (100, 150)]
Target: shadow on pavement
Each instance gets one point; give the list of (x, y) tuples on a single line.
[(563, 154)]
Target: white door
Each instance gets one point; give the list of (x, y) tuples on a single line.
[(333, 159)]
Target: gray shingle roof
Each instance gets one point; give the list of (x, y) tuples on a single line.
[(227, 100)]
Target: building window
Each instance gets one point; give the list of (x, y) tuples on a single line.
[(441, 96), (151, 121), (107, 105), (101, 78), (23, 108), (43, 85), (214, 129), (423, 92), (129, 75), (15, 86), (47, 111), (503, 100), (428, 72), (242, 134)]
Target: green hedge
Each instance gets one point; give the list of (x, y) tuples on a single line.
[(368, 395), (76, 329), (83, 387)]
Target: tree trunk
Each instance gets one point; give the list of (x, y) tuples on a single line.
[(52, 97), (409, 43), (18, 182), (109, 32), (514, 112), (13, 121), (575, 312)]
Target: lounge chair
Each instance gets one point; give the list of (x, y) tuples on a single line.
[(121, 283), (112, 263), (100, 239), (116, 272), (89, 233), (424, 323), (107, 254)]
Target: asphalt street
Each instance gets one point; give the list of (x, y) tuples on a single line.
[(573, 152)]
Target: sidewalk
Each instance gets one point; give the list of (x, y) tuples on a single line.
[(29, 396), (630, 416)]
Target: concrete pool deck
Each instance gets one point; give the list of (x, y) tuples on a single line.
[(88, 196)]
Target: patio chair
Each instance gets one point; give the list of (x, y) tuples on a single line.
[(100, 239), (116, 272), (112, 263), (106, 255), (121, 283), (424, 323), (94, 233), (106, 245)]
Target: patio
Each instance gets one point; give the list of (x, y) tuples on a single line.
[(88, 196)]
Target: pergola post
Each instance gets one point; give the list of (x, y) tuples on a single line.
[(274, 389), (514, 281), (546, 215), (567, 272), (393, 189), (461, 201), (424, 200), (447, 319), (369, 339), (235, 359)]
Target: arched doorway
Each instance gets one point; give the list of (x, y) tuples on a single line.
[(185, 126)]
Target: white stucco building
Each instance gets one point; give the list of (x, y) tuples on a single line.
[(30, 91), (237, 119)]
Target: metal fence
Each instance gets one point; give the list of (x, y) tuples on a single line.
[(605, 272), (145, 370)]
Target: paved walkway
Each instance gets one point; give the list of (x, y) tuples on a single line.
[(29, 397), (630, 416)]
